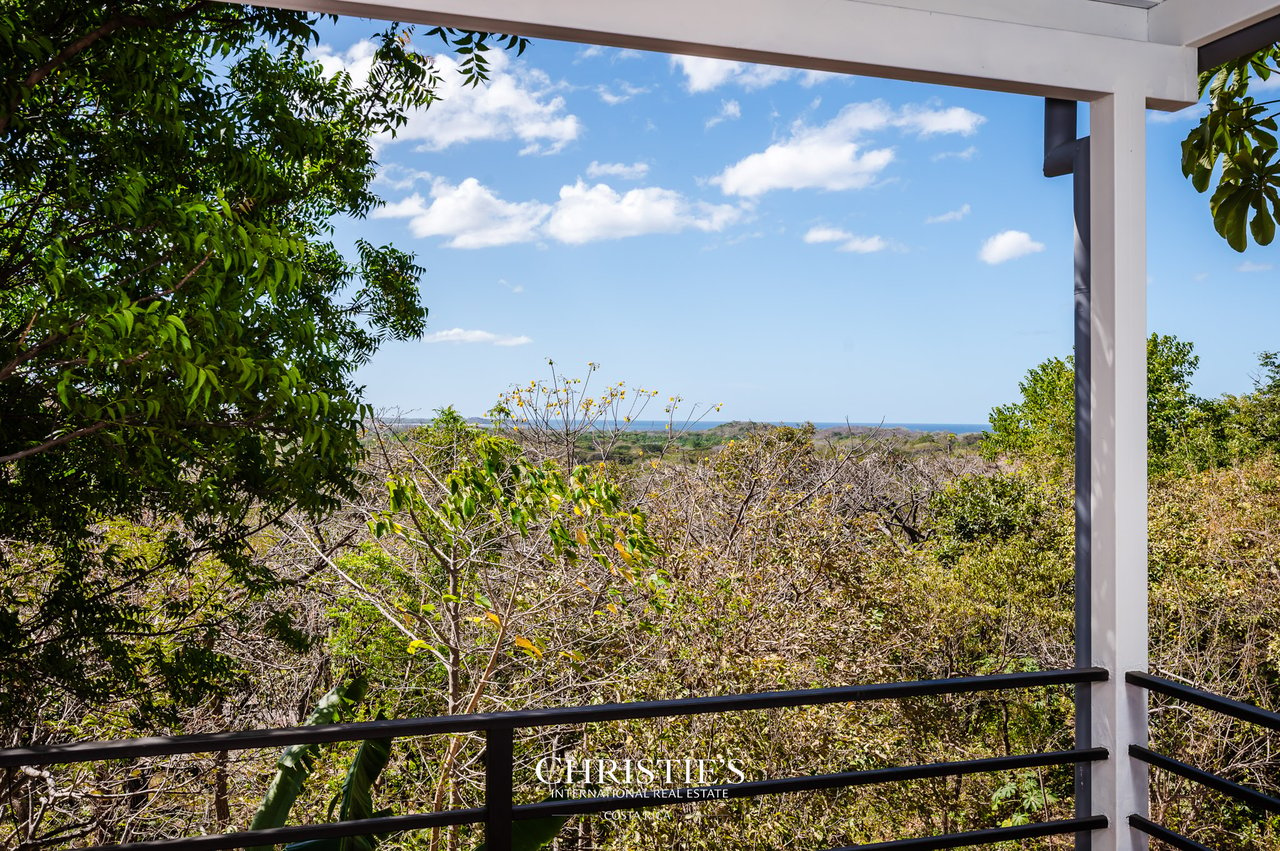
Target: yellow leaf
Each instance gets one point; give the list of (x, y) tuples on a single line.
[(581, 537), (491, 616), (416, 645), (528, 646)]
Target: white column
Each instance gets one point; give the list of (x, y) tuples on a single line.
[(1119, 462)]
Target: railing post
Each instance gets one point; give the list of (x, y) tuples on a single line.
[(498, 793), (1118, 456)]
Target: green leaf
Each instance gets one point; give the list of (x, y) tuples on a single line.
[(534, 834), (1263, 226), (357, 789), (294, 765)]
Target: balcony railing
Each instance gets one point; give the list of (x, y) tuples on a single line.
[(500, 812), (1216, 703)]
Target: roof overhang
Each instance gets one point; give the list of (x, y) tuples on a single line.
[(1072, 49)]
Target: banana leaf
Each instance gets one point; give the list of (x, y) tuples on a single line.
[(294, 765), (534, 834), (356, 799)]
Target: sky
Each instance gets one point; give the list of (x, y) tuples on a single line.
[(790, 245)]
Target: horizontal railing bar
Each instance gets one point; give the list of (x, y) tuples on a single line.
[(1209, 700), (330, 733), (302, 833), (1241, 793), (751, 789), (1164, 834), (985, 837), (584, 806)]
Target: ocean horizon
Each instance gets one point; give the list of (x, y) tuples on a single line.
[(707, 425)]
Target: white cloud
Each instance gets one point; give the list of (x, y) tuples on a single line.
[(824, 157), (518, 103), (625, 92), (821, 234), (590, 213), (609, 97), (805, 164), (730, 110), (808, 79), (614, 54), (470, 214), (930, 122), (1008, 245), (967, 154), (703, 74), (830, 157), (848, 241), (634, 171), (463, 335), (1189, 114), (864, 245), (950, 216), (399, 176), (356, 61), (1250, 266)]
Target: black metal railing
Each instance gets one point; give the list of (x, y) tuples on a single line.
[(1217, 703), (500, 812)]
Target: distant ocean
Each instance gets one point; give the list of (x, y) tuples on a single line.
[(704, 425)]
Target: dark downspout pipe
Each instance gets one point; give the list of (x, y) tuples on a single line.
[(1064, 153)]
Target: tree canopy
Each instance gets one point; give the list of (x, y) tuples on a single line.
[(1184, 431), (178, 331)]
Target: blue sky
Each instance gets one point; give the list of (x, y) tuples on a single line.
[(794, 246)]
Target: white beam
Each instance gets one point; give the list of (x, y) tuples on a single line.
[(1086, 16), (1197, 22), (848, 36), (1118, 354)]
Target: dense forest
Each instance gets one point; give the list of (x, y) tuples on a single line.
[(552, 559), (204, 528)]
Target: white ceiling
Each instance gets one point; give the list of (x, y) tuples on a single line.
[(1076, 49), (1141, 4)]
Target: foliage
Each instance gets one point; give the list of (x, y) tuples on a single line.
[(558, 418), (296, 762), (492, 577), (1215, 614), (533, 834), (1248, 425), (355, 802), (984, 509), (151, 637), (178, 334), (1041, 425), (1237, 133), (773, 560)]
